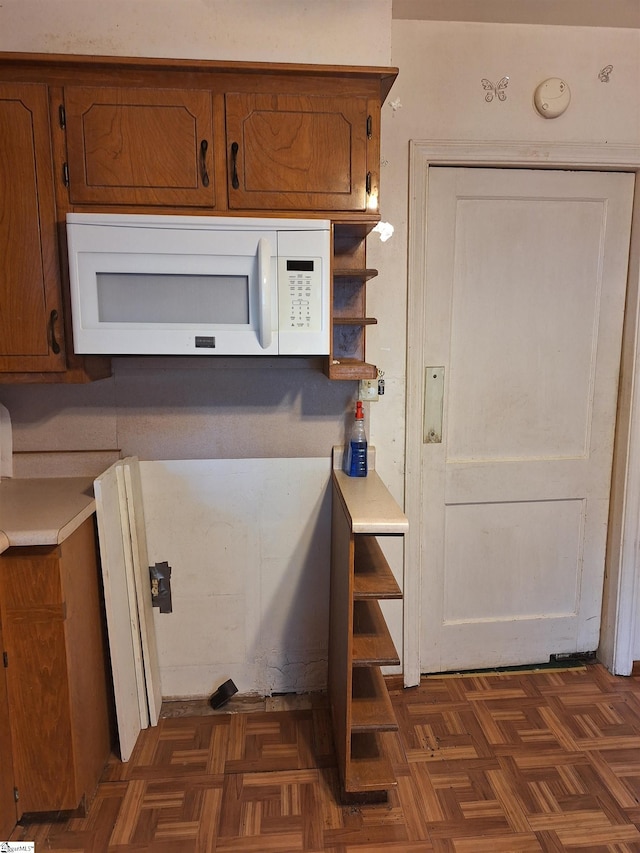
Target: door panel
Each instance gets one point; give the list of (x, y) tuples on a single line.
[(30, 299), (140, 146), (296, 152), (525, 287)]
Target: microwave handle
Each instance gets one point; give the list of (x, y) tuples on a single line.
[(264, 292)]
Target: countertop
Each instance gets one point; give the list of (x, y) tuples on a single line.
[(370, 505), (43, 511)]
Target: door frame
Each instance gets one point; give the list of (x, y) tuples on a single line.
[(622, 569)]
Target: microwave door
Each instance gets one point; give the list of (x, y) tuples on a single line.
[(178, 303)]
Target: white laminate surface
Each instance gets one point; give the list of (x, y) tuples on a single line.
[(43, 511), (370, 505)]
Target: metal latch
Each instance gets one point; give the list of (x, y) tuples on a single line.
[(433, 404)]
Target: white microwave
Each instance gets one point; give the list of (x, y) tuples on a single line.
[(198, 285)]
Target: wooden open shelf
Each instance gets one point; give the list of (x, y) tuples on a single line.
[(351, 368), (371, 708), (369, 768), (357, 275), (354, 321), (372, 577), (359, 640), (348, 304), (372, 643)]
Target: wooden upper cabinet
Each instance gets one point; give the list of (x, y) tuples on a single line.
[(296, 152), (31, 329), (139, 146)]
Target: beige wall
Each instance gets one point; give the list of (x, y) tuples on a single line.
[(327, 31)]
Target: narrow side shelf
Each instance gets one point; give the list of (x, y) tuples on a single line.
[(372, 577), (369, 767), (372, 643), (356, 274), (371, 708), (359, 640), (354, 321), (351, 368), (348, 305)]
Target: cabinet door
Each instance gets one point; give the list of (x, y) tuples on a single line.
[(30, 302), (139, 146), (33, 613), (296, 152)]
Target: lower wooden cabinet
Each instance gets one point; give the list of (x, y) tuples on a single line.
[(359, 640), (55, 672)]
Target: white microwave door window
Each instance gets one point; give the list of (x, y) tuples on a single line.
[(212, 300)]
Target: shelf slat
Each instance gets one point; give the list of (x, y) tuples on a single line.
[(351, 368), (371, 708), (368, 769), (372, 576), (372, 643), (354, 321), (361, 275)]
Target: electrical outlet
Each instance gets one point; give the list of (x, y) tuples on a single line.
[(368, 391)]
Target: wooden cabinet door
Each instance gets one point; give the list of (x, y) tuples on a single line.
[(30, 302), (296, 152), (33, 614), (139, 146)]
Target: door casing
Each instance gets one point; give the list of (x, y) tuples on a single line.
[(622, 584)]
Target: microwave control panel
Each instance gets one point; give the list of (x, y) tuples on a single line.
[(300, 294)]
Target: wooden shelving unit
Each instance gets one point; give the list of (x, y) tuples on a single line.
[(348, 313), (359, 640)]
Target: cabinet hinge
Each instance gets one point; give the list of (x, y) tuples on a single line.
[(65, 174), (368, 183), (16, 794), (5, 660), (369, 127), (62, 116)]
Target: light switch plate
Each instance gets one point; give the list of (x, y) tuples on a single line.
[(368, 390)]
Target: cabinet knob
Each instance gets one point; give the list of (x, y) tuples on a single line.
[(235, 183)]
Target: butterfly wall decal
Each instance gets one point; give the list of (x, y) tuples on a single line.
[(495, 89), (605, 73)]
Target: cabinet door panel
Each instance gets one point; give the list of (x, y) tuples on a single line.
[(29, 274), (39, 709), (296, 152), (139, 146)]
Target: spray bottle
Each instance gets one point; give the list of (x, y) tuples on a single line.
[(356, 455)]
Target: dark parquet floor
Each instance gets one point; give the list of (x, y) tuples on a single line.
[(488, 763)]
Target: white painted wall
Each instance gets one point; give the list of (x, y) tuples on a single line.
[(248, 542)]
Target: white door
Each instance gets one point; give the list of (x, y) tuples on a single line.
[(525, 289)]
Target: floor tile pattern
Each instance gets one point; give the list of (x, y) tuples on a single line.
[(486, 763)]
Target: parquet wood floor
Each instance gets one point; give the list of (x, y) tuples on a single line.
[(499, 763)]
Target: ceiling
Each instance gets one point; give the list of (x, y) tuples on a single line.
[(579, 13)]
